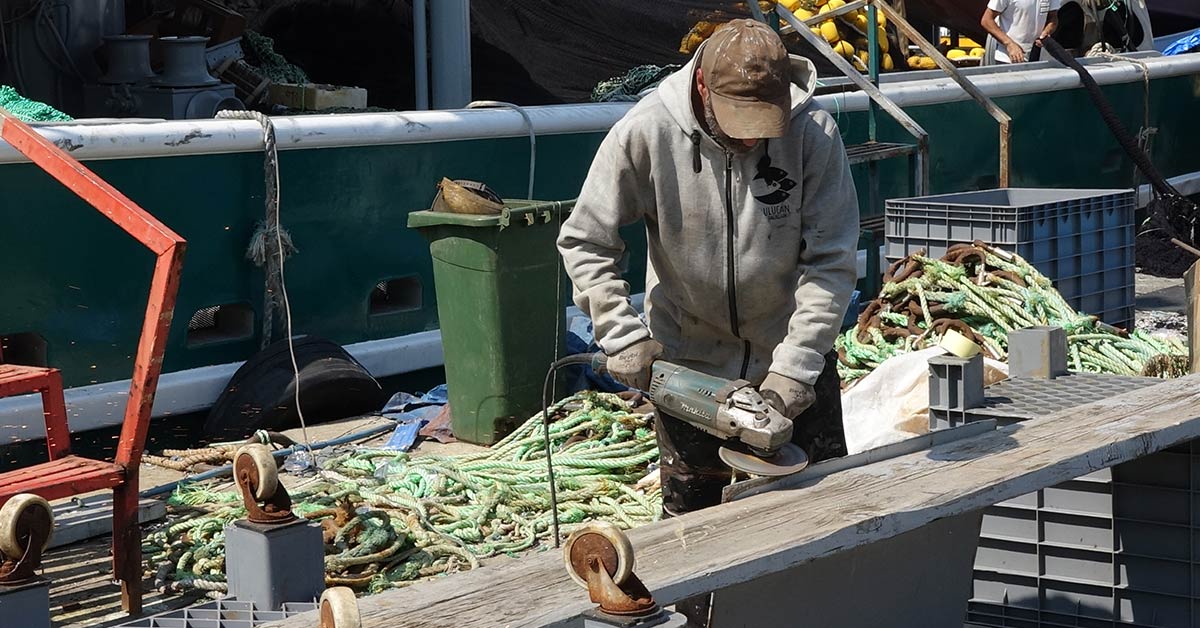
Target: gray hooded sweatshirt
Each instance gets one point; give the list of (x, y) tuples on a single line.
[(752, 256)]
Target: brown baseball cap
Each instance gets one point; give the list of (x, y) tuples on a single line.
[(748, 75)]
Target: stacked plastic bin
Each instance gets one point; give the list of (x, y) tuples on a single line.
[(1083, 240)]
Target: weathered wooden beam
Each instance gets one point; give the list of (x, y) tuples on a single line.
[(766, 534), (849, 7), (841, 11), (1191, 287)]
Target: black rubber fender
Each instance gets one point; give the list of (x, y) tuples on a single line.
[(262, 395)]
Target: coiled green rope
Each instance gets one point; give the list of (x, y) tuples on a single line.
[(391, 519), (991, 293)]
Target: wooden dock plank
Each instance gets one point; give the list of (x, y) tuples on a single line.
[(778, 530), (89, 517)]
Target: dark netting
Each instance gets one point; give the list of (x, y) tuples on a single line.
[(528, 52), (569, 48), (548, 51)]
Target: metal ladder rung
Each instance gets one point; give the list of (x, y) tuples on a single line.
[(875, 151)]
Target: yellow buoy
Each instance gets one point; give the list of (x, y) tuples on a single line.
[(928, 64), (844, 48), (956, 53), (835, 4), (803, 14), (860, 21), (977, 52), (829, 31), (865, 57), (790, 5), (883, 40), (914, 61), (888, 65)]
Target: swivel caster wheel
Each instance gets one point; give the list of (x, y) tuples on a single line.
[(599, 558), (265, 498), (605, 542), (26, 522), (339, 609)]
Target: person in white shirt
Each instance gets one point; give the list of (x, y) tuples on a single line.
[(1018, 25)]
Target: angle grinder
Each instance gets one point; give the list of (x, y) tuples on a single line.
[(758, 438)]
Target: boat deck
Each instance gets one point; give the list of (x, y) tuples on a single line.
[(84, 595)]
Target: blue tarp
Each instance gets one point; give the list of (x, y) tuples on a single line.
[(1187, 43), (411, 413)]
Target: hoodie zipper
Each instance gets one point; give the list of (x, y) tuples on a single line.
[(731, 270)]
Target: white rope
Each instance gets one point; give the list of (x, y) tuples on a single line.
[(480, 104), (274, 197)]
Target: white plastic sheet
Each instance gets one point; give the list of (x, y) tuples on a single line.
[(892, 403)]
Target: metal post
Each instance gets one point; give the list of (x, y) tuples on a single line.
[(998, 114), (450, 39), (872, 66), (421, 54)]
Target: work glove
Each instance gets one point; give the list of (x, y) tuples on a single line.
[(631, 365), (788, 396)]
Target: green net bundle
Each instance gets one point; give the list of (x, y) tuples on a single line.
[(27, 110), (628, 86), (260, 52)]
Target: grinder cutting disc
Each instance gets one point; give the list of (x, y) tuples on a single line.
[(788, 460)]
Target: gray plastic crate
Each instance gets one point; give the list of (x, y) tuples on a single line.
[(1083, 240), (1115, 549), (1019, 399), (220, 614)]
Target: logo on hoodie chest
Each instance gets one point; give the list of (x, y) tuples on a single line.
[(772, 187)]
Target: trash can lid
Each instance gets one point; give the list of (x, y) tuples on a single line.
[(515, 212)]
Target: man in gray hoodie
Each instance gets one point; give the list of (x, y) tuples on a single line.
[(752, 223)]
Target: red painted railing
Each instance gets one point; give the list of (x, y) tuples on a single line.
[(168, 248)]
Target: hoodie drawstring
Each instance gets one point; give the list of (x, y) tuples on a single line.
[(696, 151)]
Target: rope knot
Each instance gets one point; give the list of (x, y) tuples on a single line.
[(263, 244)]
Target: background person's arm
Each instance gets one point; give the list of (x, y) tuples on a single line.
[(993, 10)]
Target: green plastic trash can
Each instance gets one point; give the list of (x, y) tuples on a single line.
[(499, 304)]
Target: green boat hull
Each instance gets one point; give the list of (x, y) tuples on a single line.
[(78, 283)]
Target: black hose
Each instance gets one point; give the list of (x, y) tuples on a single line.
[(1110, 118), (571, 360), (1171, 212)]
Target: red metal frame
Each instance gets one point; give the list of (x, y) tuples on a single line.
[(22, 380), (168, 247)]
